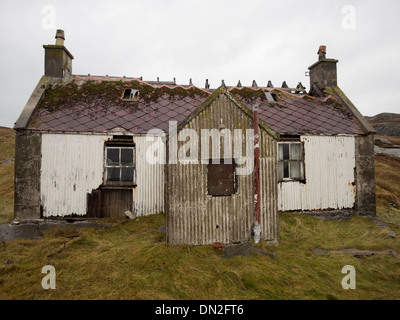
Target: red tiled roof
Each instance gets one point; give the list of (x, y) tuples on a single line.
[(103, 113), (93, 104), (299, 114)]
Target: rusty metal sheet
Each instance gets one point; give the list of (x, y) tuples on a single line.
[(221, 187), (115, 202), (221, 171), (94, 204)]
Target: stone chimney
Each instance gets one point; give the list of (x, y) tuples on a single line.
[(57, 59), (323, 72)]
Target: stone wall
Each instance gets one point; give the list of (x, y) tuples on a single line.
[(365, 175), (27, 175)]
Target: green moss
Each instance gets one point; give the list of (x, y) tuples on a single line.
[(249, 95), (110, 92)]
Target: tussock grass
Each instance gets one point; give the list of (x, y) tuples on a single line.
[(7, 138), (387, 180), (132, 261)]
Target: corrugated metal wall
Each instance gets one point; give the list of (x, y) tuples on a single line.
[(329, 173), (72, 166), (148, 196), (195, 218)]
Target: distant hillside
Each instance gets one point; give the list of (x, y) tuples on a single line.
[(386, 124), (6, 144), (7, 136)]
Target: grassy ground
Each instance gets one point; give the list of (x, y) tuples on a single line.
[(6, 175), (132, 261)]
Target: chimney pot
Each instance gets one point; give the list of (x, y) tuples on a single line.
[(60, 37), (322, 52)]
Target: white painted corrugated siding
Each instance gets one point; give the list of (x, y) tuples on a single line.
[(148, 196), (72, 166), (329, 170)]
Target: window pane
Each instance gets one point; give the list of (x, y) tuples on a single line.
[(112, 156), (280, 151), (285, 151), (295, 169), (127, 157), (296, 151), (280, 170), (127, 174), (286, 170), (113, 174)]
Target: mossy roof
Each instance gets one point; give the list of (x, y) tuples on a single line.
[(95, 104)]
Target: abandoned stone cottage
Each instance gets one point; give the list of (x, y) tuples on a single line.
[(98, 146)]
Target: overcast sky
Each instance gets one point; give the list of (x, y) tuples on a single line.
[(202, 39)]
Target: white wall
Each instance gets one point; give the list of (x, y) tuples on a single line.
[(72, 166), (329, 170)]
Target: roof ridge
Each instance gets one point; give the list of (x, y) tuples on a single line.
[(146, 82), (180, 86), (301, 96)]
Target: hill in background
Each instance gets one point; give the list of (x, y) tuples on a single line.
[(7, 145), (386, 124)]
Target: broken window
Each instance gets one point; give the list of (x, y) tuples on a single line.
[(221, 178), (120, 166), (129, 94), (271, 97), (290, 161)]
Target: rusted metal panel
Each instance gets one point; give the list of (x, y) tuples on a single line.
[(73, 166), (220, 187), (329, 176), (221, 170), (94, 204), (220, 179), (195, 218), (106, 203), (115, 202)]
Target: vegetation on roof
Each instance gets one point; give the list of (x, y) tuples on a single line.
[(110, 92), (249, 95)]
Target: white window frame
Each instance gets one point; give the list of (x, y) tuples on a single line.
[(300, 162), (120, 166)]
